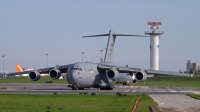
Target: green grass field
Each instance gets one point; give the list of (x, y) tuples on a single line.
[(151, 81), (172, 81), (73, 103), (195, 96)]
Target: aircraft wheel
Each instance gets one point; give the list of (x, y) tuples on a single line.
[(80, 88), (74, 88), (102, 88), (106, 88), (124, 83), (109, 88)]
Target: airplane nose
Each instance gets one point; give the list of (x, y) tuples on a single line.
[(72, 77)]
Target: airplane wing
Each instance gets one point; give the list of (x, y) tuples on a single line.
[(123, 69), (63, 69)]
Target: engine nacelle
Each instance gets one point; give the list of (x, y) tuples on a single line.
[(140, 76), (112, 73), (34, 76), (55, 74)]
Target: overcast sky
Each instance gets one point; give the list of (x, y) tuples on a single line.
[(31, 28)]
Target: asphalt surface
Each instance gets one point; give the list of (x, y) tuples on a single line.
[(176, 103), (64, 89)]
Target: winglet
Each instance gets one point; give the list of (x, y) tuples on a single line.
[(18, 68)]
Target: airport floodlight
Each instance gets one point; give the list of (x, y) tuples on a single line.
[(3, 66), (82, 55), (47, 58), (101, 60)]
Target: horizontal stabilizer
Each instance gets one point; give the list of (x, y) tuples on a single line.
[(129, 35), (96, 35), (115, 34)]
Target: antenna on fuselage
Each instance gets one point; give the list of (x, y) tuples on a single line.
[(111, 43)]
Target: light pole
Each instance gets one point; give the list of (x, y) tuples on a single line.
[(82, 55), (47, 58), (101, 55), (3, 66)]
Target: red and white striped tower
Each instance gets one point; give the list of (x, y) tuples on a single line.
[(154, 44)]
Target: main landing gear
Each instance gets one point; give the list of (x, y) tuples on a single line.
[(106, 88), (76, 88)]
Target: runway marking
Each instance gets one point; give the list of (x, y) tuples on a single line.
[(173, 91), (195, 92), (127, 90), (189, 91), (127, 87), (133, 90)]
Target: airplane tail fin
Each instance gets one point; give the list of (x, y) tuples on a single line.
[(111, 43), (18, 68)]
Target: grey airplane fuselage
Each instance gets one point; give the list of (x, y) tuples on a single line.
[(83, 74)]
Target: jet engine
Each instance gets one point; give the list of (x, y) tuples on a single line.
[(55, 74), (112, 73), (140, 76), (34, 76)]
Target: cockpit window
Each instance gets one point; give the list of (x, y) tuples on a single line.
[(80, 69)]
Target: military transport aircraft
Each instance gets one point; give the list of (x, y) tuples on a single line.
[(82, 75)]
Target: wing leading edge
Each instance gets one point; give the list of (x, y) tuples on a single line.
[(123, 69), (63, 69)]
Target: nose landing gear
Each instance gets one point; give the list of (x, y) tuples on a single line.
[(74, 88)]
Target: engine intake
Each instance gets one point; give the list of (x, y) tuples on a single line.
[(112, 73), (55, 74), (34, 76), (141, 76)]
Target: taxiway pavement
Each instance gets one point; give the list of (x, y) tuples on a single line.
[(64, 89), (176, 103)]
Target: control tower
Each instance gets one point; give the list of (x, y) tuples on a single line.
[(154, 44)]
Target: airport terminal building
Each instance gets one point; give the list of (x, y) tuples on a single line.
[(192, 66)]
